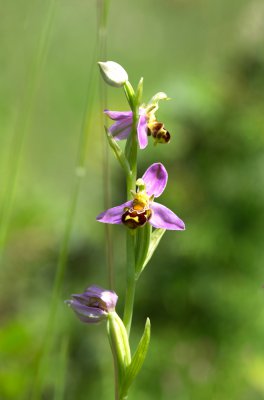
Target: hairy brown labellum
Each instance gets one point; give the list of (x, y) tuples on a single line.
[(159, 133), (163, 136), (133, 218)]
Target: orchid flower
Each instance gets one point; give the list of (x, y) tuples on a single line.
[(147, 123), (142, 209), (94, 304)]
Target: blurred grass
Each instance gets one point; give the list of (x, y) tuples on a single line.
[(206, 301)]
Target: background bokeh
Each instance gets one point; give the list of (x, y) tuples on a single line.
[(203, 289)]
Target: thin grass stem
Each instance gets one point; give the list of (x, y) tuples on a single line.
[(23, 123), (102, 9), (60, 381)]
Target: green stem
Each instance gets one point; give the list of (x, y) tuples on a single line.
[(131, 282), (61, 373), (116, 370), (131, 153)]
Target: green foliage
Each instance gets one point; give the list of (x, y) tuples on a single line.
[(138, 358), (118, 152), (153, 241)]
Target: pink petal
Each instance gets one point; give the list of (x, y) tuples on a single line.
[(118, 115), (155, 178), (123, 134), (121, 129), (163, 217), (113, 215), (142, 131)]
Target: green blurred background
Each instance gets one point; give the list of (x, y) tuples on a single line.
[(203, 289)]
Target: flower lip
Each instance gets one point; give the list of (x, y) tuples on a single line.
[(134, 218), (158, 132)]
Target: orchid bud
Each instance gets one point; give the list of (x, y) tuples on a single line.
[(94, 305), (113, 73)]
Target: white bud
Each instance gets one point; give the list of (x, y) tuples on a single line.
[(113, 73)]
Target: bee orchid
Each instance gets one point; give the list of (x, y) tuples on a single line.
[(147, 123), (142, 209)]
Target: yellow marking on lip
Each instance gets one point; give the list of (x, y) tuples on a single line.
[(128, 217)]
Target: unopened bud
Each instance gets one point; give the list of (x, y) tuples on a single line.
[(113, 73), (93, 305)]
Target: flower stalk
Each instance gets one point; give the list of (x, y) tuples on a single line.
[(131, 281), (131, 154)]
